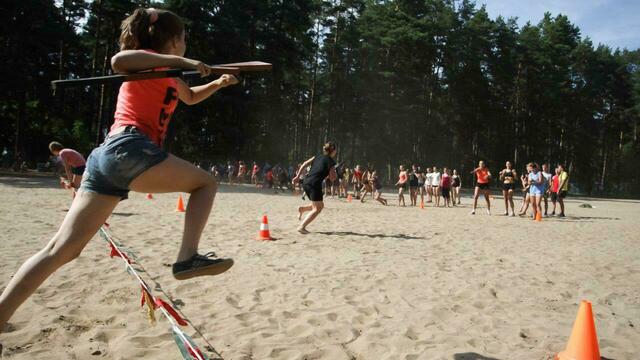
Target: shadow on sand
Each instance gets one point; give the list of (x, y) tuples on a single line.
[(472, 356), (373, 236)]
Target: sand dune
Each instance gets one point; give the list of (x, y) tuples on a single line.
[(369, 283)]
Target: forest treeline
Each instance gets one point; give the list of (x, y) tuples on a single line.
[(432, 82)]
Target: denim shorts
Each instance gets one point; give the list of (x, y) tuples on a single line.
[(121, 158)]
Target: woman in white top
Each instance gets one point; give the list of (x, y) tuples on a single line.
[(427, 184), (435, 185)]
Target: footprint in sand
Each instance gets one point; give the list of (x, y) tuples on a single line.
[(233, 301)]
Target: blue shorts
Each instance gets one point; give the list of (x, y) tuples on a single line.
[(121, 158), (536, 190)]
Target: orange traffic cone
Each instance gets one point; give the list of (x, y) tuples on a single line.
[(264, 233), (150, 196), (349, 198), (421, 203), (538, 216), (583, 343), (180, 207)]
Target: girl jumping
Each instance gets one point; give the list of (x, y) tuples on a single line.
[(131, 158)]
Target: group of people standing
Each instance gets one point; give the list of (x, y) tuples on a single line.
[(537, 185), (432, 184)]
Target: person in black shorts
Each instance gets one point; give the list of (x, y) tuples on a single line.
[(413, 185), (322, 166), (508, 177)]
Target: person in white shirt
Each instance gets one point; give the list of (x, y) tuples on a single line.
[(435, 185), (427, 184)]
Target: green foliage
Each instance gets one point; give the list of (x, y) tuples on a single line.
[(434, 82)]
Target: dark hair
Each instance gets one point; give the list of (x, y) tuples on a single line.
[(328, 148), (55, 146), (149, 29)]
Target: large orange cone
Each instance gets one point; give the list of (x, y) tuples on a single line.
[(150, 196), (583, 343), (264, 233), (180, 207)]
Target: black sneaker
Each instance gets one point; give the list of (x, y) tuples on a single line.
[(200, 265)]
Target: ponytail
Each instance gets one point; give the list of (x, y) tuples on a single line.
[(149, 29)]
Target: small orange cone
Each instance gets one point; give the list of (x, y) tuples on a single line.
[(264, 233), (349, 198), (150, 196), (538, 216), (421, 203), (583, 343), (180, 207)]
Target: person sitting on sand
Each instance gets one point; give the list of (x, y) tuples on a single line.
[(321, 168)]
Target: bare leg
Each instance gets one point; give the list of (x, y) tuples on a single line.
[(476, 194), (302, 210), (317, 207), (87, 213), (190, 179), (510, 195), (488, 200), (505, 194)]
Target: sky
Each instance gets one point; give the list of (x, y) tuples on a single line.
[(615, 23)]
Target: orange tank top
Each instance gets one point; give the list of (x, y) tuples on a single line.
[(147, 105), (483, 176)]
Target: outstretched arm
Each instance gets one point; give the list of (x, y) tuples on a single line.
[(130, 61), (194, 95)]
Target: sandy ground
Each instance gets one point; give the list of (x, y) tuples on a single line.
[(370, 282)]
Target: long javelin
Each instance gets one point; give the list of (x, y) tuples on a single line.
[(233, 69)]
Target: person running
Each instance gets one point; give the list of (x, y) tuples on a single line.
[(555, 184), (131, 158), (536, 189), (428, 178), (413, 185), (73, 163), (445, 186), (563, 188), (402, 185), (483, 176), (435, 185), (377, 188), (321, 167), (455, 187), (508, 177), (547, 186), (367, 185)]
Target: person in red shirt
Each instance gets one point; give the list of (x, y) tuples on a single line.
[(73, 162), (131, 157), (357, 181), (402, 185), (555, 185), (254, 173), (445, 186), (483, 176)]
